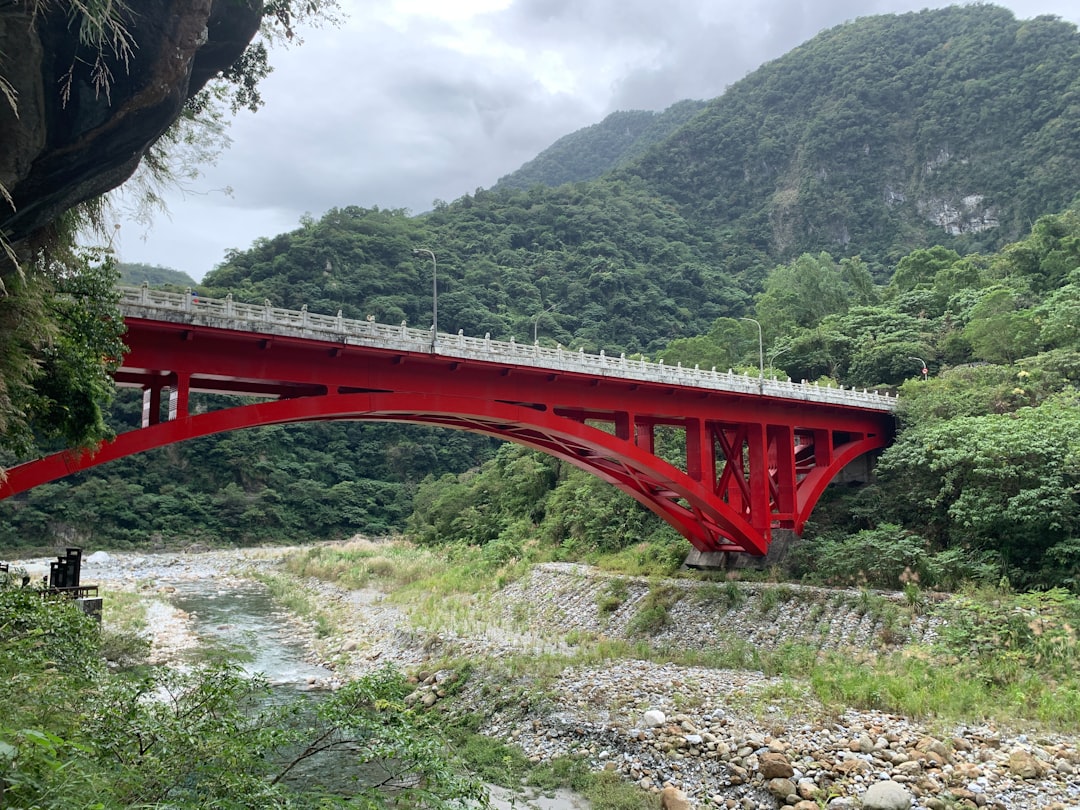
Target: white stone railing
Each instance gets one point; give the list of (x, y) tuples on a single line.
[(143, 302)]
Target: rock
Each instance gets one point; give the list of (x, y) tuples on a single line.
[(97, 558), (849, 766), (774, 766), (886, 795), (1024, 764), (780, 788), (929, 745), (62, 148), (654, 718), (671, 798)]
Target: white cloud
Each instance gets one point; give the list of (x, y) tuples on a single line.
[(413, 100)]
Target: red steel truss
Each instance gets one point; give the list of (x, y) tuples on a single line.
[(752, 463)]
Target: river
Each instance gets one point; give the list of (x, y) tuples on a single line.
[(198, 605)]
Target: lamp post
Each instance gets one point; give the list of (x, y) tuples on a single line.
[(760, 349), (777, 353), (925, 370), (536, 321), (434, 293)]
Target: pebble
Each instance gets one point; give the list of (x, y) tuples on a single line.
[(689, 729)]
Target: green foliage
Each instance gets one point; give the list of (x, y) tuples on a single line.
[(73, 736), (839, 145), (1035, 630), (58, 356), (654, 612), (801, 294), (1000, 330), (1004, 483), (41, 633), (881, 557), (134, 274), (613, 596), (594, 150)]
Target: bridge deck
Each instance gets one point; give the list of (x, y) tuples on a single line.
[(143, 302)]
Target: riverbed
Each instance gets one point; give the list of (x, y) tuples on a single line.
[(206, 603), (713, 737)]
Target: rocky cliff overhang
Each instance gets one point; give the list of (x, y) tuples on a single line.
[(71, 138)]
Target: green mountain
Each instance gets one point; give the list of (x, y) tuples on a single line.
[(155, 275), (956, 126), (595, 150)]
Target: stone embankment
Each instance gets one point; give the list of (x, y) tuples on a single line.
[(721, 738)]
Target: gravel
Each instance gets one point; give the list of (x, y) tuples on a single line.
[(727, 738)]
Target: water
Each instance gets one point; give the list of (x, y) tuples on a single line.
[(241, 621)]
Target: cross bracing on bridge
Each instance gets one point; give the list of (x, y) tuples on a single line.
[(141, 302), (758, 453)]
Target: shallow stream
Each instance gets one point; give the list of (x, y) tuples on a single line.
[(241, 619)]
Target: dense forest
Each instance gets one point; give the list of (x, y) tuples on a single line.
[(593, 151), (869, 198)]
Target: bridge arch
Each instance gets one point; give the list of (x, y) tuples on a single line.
[(759, 453), (686, 504), (694, 508)]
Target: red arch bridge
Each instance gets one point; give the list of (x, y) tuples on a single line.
[(759, 452)]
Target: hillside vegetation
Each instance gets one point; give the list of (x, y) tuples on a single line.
[(805, 196), (597, 149), (954, 126)]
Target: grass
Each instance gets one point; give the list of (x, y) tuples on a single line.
[(604, 790), (363, 563), (123, 611), (654, 613), (923, 689), (989, 666), (299, 601), (123, 620), (613, 596)]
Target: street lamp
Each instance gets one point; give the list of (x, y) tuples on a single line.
[(760, 348), (536, 322), (777, 353), (925, 370), (434, 293)]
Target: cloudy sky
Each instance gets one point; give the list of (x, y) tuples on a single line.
[(409, 101)]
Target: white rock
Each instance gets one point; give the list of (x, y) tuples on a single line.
[(654, 718)]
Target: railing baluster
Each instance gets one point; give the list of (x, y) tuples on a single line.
[(144, 298)]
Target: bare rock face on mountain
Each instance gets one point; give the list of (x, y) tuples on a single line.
[(82, 124)]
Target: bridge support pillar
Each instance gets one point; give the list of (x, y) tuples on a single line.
[(178, 397), (779, 549), (151, 405)]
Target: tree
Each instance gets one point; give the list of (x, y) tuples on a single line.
[(1005, 483), (800, 294), (59, 379), (921, 267), (110, 84), (73, 734), (999, 329)]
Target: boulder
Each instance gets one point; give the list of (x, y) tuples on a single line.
[(887, 795), (775, 766), (671, 798), (1025, 765), (781, 788), (654, 718)]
